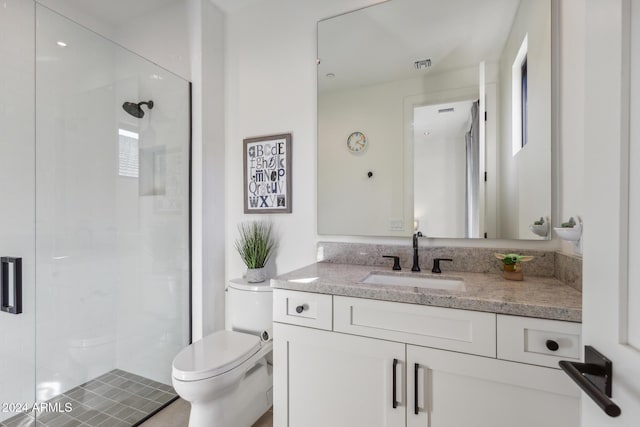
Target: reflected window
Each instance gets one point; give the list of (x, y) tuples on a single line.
[(523, 101), (519, 95), (128, 155)]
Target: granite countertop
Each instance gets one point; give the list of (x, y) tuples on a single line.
[(542, 297)]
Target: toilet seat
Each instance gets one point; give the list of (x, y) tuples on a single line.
[(215, 354)]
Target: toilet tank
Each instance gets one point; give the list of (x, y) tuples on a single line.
[(249, 306)]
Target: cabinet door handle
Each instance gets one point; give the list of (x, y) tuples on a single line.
[(416, 369), (393, 394), (300, 308)]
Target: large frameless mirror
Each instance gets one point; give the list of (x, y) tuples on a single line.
[(437, 121)]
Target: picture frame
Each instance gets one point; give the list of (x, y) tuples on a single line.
[(267, 174)]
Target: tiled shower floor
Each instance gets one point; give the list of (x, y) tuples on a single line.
[(115, 399)]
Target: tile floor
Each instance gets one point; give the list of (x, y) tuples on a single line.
[(115, 399)]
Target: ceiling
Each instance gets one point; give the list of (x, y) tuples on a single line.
[(231, 6), (380, 43), (119, 12)]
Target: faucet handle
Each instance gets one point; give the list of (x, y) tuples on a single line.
[(436, 264), (396, 261)]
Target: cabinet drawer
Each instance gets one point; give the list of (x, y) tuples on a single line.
[(528, 340), (303, 309), (449, 329)]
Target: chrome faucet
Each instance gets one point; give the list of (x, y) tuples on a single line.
[(416, 263)]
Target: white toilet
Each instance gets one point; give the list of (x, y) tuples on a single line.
[(227, 376)]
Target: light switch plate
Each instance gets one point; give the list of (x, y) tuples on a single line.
[(396, 225)]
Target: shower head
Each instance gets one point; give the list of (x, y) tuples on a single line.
[(136, 109)]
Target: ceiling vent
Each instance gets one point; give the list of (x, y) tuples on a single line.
[(423, 64)]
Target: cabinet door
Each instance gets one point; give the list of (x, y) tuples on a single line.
[(457, 390), (329, 379)]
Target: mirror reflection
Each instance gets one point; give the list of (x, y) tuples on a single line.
[(450, 102)]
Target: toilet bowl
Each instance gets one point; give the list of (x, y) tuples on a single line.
[(227, 376)]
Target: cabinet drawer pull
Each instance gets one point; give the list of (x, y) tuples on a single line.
[(552, 345), (394, 397), (416, 368), (300, 308)]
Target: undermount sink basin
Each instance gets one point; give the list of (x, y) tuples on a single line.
[(415, 281)]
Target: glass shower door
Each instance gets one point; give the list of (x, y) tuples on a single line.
[(94, 225), (17, 186), (112, 225)]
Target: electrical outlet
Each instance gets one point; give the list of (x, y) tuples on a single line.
[(396, 225)]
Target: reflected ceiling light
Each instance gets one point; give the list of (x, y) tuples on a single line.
[(427, 133), (61, 43)]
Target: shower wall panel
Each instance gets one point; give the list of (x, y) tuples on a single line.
[(112, 210)]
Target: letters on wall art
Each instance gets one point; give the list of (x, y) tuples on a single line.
[(267, 174)]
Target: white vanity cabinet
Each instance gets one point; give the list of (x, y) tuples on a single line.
[(329, 379), (443, 365), (447, 389)]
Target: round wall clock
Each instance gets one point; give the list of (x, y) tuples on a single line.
[(357, 142)]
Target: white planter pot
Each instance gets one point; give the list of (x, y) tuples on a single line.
[(256, 275)]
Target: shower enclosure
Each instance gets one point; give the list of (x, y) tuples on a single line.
[(94, 225)]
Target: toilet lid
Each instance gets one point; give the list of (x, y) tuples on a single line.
[(213, 355)]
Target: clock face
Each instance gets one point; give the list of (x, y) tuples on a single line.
[(357, 142)]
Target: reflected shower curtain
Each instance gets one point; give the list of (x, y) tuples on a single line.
[(472, 140)]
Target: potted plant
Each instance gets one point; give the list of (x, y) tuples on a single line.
[(255, 245), (512, 269)]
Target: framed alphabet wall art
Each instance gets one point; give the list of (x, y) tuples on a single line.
[(267, 174)]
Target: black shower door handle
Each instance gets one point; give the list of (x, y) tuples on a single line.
[(11, 285)]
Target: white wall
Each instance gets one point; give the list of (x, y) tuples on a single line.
[(439, 172), (523, 199), (208, 167), (351, 202), (571, 173)]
